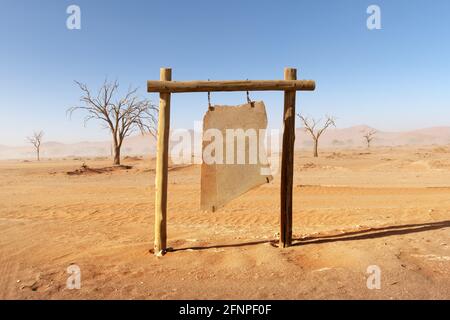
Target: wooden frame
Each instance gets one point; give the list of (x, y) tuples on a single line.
[(165, 87)]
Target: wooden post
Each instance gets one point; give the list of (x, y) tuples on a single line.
[(287, 162), (162, 162)]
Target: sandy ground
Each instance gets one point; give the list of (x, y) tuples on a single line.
[(352, 209)]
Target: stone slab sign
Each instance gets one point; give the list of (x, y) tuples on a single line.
[(233, 153)]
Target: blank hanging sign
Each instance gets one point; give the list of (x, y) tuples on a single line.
[(233, 153)]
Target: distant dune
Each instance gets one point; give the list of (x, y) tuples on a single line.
[(353, 137), (135, 145), (146, 145)]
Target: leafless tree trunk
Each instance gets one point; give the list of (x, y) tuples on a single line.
[(369, 136), (36, 140), (121, 116), (310, 126), (316, 148)]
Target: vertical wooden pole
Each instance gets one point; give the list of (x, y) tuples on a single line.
[(287, 162), (162, 162)]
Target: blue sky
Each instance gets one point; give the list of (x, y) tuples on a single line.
[(396, 78)]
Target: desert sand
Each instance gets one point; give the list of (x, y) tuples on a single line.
[(353, 208)]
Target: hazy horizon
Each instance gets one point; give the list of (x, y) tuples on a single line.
[(138, 145), (137, 134)]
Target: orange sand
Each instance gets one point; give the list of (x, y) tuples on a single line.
[(352, 208)]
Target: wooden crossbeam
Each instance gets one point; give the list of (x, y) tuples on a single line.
[(230, 85)]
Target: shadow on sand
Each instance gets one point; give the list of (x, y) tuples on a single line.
[(371, 233)]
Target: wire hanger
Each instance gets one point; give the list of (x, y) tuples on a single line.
[(210, 107), (249, 101)]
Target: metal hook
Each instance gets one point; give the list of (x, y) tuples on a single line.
[(249, 101), (210, 108)]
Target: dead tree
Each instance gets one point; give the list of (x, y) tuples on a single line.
[(36, 140), (122, 116), (310, 126), (369, 136)]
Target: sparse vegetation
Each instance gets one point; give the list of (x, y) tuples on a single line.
[(86, 170), (122, 116), (310, 126), (369, 136), (36, 140)]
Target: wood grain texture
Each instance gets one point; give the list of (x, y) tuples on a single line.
[(287, 163), (162, 159), (230, 85)]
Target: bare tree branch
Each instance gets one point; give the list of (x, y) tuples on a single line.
[(310, 126), (36, 140), (122, 116), (369, 136)]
